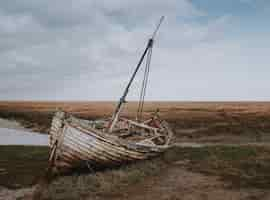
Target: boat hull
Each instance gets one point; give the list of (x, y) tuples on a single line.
[(74, 146)]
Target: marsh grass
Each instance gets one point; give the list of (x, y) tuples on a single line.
[(37, 121), (243, 166), (107, 183), (245, 119), (22, 165), (240, 167)]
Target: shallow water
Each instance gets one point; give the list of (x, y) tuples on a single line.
[(21, 137)]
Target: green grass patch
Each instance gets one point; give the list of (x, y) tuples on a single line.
[(21, 166), (243, 166), (238, 166)]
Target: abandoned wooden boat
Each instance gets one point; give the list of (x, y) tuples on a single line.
[(78, 143)]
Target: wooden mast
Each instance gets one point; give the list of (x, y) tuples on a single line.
[(123, 98)]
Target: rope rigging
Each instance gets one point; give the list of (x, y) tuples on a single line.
[(144, 83), (147, 52)]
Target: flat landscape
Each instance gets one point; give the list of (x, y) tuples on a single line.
[(191, 121), (231, 158)]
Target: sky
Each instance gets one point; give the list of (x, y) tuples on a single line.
[(205, 50)]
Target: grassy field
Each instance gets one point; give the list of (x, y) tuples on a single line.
[(239, 167), (21, 166), (244, 166), (240, 170), (195, 121)]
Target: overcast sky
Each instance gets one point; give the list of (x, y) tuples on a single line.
[(87, 49)]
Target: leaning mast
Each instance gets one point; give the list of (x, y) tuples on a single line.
[(123, 97)]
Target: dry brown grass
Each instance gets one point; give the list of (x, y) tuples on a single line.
[(241, 167), (213, 119)]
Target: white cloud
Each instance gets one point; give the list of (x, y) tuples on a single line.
[(88, 50)]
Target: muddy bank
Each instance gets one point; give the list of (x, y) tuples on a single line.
[(11, 124), (7, 194)]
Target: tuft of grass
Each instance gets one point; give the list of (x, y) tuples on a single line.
[(105, 184), (244, 166)]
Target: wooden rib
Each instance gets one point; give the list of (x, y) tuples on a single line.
[(78, 144)]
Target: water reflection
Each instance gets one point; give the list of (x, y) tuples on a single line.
[(19, 137)]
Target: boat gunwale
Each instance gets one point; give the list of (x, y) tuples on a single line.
[(114, 140)]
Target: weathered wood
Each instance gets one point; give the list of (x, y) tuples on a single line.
[(142, 125), (77, 143)]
